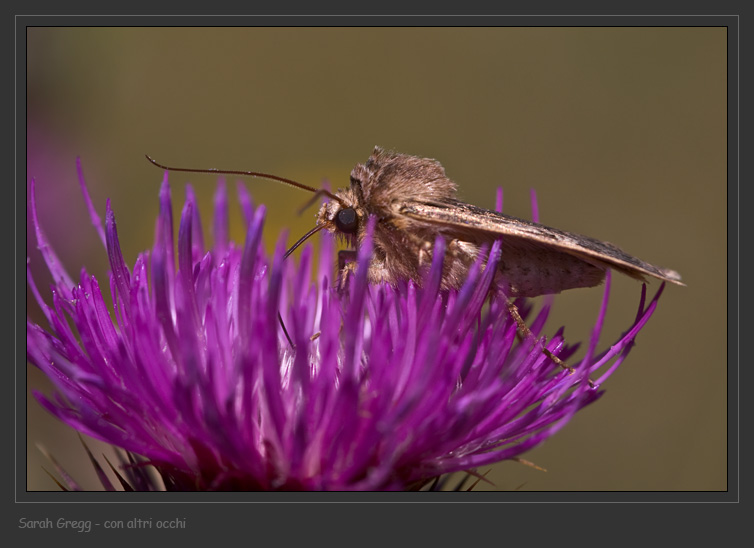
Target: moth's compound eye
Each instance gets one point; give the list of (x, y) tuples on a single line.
[(346, 220)]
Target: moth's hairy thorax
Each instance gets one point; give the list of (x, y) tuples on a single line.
[(390, 178)]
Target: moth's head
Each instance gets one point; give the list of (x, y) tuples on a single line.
[(344, 217)]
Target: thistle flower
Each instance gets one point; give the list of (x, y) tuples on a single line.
[(386, 387)]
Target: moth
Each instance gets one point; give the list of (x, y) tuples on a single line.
[(414, 202)]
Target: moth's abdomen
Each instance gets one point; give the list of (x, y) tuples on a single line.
[(530, 273)]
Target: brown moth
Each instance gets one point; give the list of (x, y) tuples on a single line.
[(414, 202)]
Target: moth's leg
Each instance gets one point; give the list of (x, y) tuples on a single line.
[(346, 256), (346, 267), (454, 250), (526, 333), (424, 247)]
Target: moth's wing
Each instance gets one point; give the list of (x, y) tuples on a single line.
[(472, 223)]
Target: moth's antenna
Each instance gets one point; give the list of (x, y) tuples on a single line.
[(303, 238), (269, 176), (287, 253), (317, 193), (285, 331)]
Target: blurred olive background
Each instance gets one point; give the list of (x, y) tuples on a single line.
[(621, 131)]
